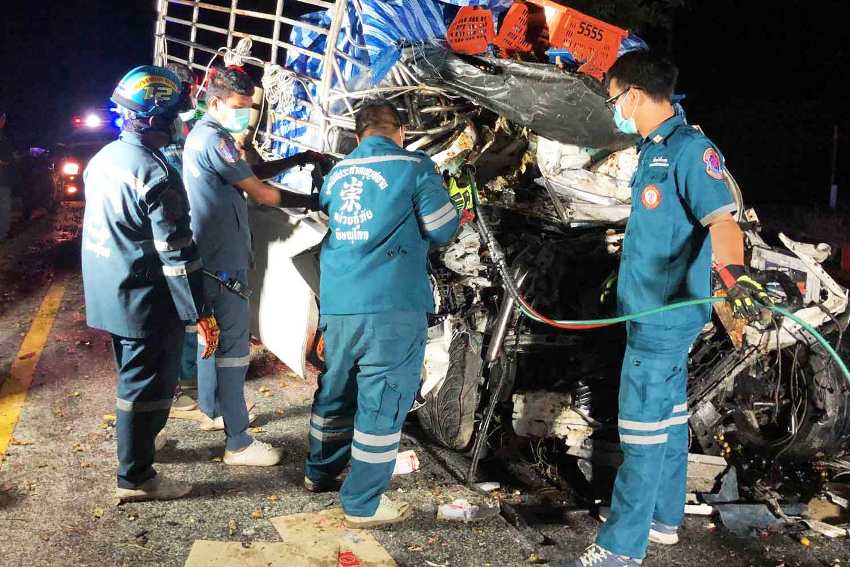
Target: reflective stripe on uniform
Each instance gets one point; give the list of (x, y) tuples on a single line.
[(373, 458), (678, 420), (440, 223), (330, 435), (651, 425), (644, 440), (183, 269), (376, 159), (156, 405), (446, 218), (232, 362), (706, 220), (163, 246), (376, 440), (438, 213), (680, 407), (191, 328), (331, 421)]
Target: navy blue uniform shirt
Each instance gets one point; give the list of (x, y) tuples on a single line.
[(212, 167), (141, 268)]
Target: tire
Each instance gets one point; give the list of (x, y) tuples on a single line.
[(825, 430), (448, 415)]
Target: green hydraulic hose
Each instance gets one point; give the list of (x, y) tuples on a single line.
[(591, 323)]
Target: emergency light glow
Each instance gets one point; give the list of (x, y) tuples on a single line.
[(71, 168), (71, 189), (77, 121), (93, 121)]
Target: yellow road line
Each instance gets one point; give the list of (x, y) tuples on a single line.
[(13, 392)]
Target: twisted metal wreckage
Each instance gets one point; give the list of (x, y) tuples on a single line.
[(554, 184)]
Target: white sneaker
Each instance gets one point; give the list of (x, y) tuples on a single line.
[(388, 512), (257, 454), (209, 424), (160, 441), (183, 403), (157, 488)]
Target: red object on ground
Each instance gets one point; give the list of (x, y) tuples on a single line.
[(348, 559), (471, 31), (590, 40), (513, 32)]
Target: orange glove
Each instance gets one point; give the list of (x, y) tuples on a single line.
[(208, 335)]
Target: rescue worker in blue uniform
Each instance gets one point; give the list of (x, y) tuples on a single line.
[(217, 178), (386, 208), (681, 214), (185, 398), (141, 273)]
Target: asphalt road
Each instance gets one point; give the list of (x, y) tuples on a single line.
[(57, 477)]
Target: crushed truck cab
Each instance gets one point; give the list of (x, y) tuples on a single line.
[(554, 183)]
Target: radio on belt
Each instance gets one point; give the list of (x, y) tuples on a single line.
[(231, 284)]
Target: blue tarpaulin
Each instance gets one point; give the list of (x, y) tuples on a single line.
[(389, 25), (349, 42), (373, 35)]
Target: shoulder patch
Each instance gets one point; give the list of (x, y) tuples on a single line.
[(227, 150), (713, 164)]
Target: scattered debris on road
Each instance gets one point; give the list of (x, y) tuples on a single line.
[(461, 510)]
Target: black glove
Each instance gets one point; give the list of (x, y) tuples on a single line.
[(744, 294), (322, 162), (313, 205)]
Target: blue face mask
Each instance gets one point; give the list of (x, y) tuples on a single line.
[(237, 120), (625, 126)]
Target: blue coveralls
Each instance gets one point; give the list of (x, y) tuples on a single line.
[(211, 168), (142, 284), (677, 191), (386, 206), (173, 154)]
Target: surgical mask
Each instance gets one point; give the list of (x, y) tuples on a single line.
[(625, 126), (236, 120), (188, 115)]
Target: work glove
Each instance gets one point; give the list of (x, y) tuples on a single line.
[(323, 163), (208, 335), (313, 205), (744, 294), (464, 196)]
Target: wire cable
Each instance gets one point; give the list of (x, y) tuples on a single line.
[(528, 311)]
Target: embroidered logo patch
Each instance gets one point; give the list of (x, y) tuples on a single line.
[(651, 197), (228, 151), (713, 165)]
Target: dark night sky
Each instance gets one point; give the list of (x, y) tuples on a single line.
[(762, 78)]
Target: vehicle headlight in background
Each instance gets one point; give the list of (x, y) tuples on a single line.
[(71, 168), (93, 121), (71, 189)]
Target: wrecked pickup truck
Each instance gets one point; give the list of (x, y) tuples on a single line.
[(553, 176)]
